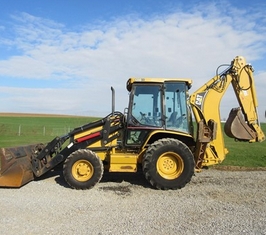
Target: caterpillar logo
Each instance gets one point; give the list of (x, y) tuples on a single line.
[(199, 99)]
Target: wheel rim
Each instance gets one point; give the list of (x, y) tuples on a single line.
[(170, 165), (82, 170)]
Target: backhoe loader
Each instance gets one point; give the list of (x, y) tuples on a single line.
[(154, 134)]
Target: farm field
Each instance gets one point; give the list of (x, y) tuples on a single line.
[(245, 154), (24, 129), (17, 129)]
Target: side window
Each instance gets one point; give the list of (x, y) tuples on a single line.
[(176, 107), (146, 107)]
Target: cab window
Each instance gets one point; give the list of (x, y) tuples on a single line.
[(176, 106), (146, 107)]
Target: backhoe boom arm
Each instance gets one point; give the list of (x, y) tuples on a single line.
[(242, 124)]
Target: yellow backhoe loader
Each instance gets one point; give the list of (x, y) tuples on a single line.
[(155, 134)]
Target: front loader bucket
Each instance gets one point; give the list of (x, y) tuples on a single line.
[(236, 127), (15, 166)]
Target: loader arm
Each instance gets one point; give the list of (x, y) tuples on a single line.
[(242, 123), (21, 165)]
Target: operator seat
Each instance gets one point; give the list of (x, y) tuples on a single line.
[(172, 119)]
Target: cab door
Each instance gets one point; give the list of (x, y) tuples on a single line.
[(145, 112), (176, 106)]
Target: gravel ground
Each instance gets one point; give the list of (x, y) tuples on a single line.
[(214, 202)]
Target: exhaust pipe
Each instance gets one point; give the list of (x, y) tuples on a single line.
[(113, 100)]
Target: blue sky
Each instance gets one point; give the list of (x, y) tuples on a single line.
[(62, 57)]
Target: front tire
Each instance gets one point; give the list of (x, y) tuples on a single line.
[(168, 164), (82, 169)]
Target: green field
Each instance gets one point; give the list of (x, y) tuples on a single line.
[(24, 130), (16, 131), (245, 154)]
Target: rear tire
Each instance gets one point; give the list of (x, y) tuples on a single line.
[(82, 169), (168, 164)]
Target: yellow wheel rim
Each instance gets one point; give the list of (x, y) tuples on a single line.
[(82, 170), (170, 165)]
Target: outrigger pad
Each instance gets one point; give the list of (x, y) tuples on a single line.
[(15, 166), (236, 127)]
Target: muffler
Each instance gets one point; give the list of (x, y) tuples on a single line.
[(15, 166)]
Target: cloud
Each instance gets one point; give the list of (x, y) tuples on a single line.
[(83, 63), (50, 100), (260, 83)]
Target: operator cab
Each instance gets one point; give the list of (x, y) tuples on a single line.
[(157, 104)]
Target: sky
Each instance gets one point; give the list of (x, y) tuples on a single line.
[(63, 56)]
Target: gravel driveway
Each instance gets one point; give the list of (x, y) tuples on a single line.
[(214, 202)]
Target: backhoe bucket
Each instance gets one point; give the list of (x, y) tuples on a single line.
[(15, 166), (236, 127)]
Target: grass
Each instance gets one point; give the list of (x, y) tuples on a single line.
[(17, 131), (20, 130), (245, 154)]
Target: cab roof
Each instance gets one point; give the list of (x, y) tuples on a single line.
[(157, 80)]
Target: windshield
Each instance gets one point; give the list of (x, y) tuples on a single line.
[(146, 106)]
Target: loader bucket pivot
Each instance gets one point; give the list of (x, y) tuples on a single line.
[(15, 166), (236, 127)]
